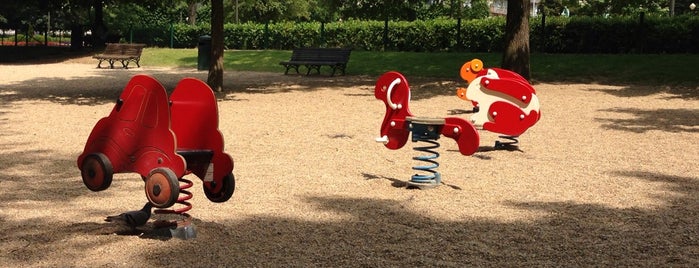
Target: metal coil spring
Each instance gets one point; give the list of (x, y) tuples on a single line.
[(433, 177), (512, 141), (182, 200)]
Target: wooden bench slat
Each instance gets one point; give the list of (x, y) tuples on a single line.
[(124, 53), (315, 58)]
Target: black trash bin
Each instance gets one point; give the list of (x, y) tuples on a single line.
[(204, 58)]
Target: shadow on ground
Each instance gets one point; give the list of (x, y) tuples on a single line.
[(30, 55), (105, 85), (681, 92), (669, 120), (379, 232)]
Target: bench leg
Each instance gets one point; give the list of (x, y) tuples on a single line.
[(312, 67), (99, 64), (296, 67), (341, 68), (111, 63)]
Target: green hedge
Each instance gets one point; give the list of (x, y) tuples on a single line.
[(616, 35), (678, 34)]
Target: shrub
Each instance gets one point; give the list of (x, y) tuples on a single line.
[(576, 34)]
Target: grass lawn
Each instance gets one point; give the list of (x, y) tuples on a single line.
[(621, 69), (653, 69)]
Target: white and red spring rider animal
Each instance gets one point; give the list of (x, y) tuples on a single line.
[(504, 102), (393, 89)]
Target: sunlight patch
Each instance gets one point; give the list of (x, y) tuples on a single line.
[(8, 93)]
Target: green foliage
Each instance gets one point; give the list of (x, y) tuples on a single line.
[(585, 35), (605, 7), (678, 34), (243, 36), (479, 9), (432, 35), (581, 34), (577, 34), (279, 10), (381, 10), (484, 35), (622, 69), (186, 35)]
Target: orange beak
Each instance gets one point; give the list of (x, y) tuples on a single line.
[(469, 71), (461, 93)]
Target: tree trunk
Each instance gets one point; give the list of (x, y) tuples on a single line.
[(672, 8), (215, 79), (192, 7), (99, 29), (516, 56), (76, 37)]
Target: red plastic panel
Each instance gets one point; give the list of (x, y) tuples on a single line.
[(509, 119), (514, 89), (136, 135), (463, 133), (507, 74), (393, 89), (194, 113)]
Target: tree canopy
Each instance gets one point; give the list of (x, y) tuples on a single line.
[(117, 14), (614, 7)]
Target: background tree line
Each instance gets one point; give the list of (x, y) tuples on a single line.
[(579, 34), (118, 16)]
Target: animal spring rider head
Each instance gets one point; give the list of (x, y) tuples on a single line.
[(504, 102), (398, 123)]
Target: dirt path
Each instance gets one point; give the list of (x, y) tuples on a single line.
[(607, 177)]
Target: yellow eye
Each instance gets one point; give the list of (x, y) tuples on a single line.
[(476, 65)]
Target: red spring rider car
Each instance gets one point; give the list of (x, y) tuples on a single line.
[(162, 140)]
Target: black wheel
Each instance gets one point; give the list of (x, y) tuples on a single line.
[(97, 172), (226, 189), (162, 187)]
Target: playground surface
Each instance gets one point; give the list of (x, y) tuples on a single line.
[(607, 177)]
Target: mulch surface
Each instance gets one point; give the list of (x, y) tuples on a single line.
[(607, 177)]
